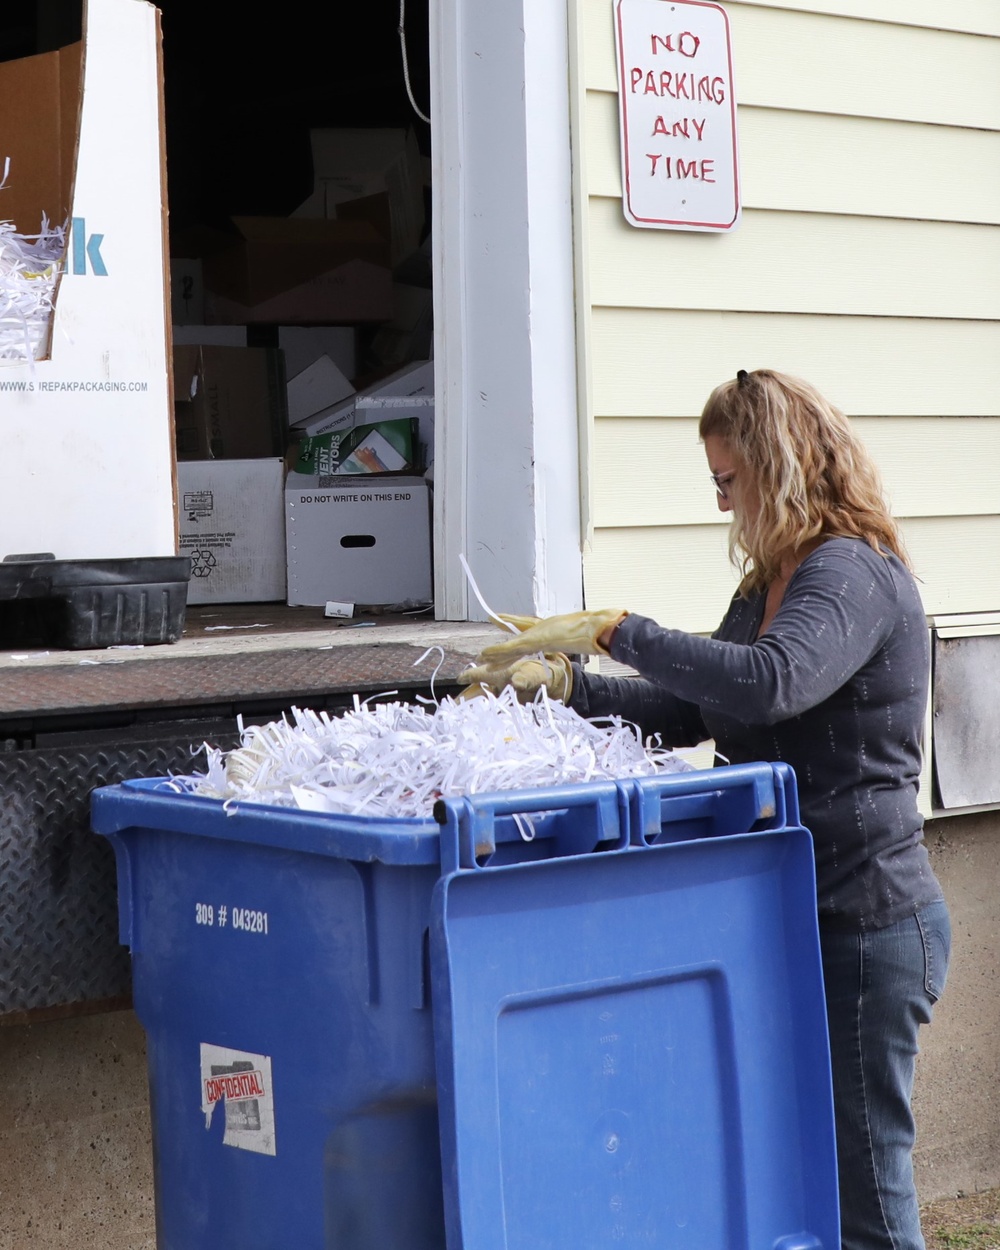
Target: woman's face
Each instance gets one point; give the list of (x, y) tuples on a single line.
[(722, 467), (734, 486)]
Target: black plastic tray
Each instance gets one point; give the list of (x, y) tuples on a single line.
[(79, 604)]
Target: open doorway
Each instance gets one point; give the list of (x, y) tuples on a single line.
[(298, 173)]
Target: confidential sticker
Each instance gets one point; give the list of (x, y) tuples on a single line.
[(241, 1081)]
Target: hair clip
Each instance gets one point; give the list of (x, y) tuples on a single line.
[(741, 377)]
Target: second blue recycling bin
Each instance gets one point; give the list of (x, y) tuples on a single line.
[(600, 1007)]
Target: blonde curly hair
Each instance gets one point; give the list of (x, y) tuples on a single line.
[(814, 476)]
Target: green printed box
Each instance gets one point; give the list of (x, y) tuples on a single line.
[(385, 447)]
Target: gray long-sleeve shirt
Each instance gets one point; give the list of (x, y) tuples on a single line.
[(836, 687)]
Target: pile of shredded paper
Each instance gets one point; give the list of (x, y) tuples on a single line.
[(29, 270), (396, 759)]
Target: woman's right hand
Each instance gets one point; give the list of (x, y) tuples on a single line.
[(574, 633)]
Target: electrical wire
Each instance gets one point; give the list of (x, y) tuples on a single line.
[(401, 30)]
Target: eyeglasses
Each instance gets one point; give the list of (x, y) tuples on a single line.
[(721, 483)]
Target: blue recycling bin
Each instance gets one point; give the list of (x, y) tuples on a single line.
[(554, 1019)]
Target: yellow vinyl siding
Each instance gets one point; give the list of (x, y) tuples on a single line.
[(652, 471), (856, 166), (867, 260), (867, 266), (975, 17), (820, 64), (680, 575), (648, 363)]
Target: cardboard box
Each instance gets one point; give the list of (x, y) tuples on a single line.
[(352, 164), (232, 526), (304, 344), (316, 389), (210, 336), (363, 541), (410, 333), (294, 271), (88, 465), (229, 402)]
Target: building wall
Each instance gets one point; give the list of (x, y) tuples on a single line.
[(957, 1091), (867, 261)]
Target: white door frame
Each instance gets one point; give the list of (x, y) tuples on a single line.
[(506, 467)]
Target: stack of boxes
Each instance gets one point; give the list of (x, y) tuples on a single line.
[(292, 481)]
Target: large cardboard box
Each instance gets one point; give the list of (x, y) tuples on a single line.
[(292, 271), (232, 526), (87, 469), (353, 163), (229, 402), (362, 541)]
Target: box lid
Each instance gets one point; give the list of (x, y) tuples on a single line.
[(273, 254), (409, 387)]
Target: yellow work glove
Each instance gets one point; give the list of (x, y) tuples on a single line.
[(527, 675), (575, 632)]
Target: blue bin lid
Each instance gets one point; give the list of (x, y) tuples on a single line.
[(631, 1049)]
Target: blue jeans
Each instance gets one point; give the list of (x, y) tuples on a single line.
[(880, 987)]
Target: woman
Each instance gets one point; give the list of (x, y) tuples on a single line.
[(821, 661)]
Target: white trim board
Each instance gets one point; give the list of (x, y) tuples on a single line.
[(507, 490)]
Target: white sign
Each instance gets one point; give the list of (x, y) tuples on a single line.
[(241, 1081), (677, 110)]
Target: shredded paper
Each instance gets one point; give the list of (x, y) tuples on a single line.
[(29, 271), (395, 759)]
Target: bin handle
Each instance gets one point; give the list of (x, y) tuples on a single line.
[(787, 792), (772, 787), (468, 825)]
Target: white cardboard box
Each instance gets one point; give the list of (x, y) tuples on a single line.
[(363, 542), (318, 388), (88, 466), (232, 526)]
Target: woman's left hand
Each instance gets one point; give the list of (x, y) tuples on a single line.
[(526, 676), (577, 633)]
